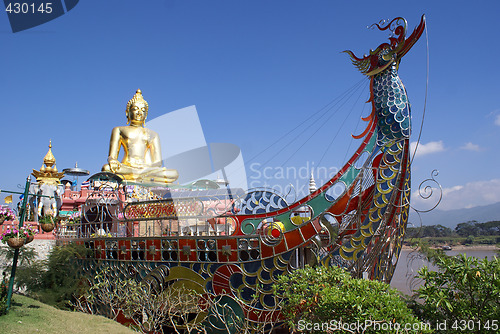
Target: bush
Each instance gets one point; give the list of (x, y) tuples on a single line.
[(469, 240), (59, 281), (323, 299), (3, 297), (464, 291)]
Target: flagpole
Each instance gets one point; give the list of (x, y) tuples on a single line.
[(16, 251)]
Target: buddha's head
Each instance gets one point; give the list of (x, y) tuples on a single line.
[(137, 109)]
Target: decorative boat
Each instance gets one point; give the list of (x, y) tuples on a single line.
[(232, 246)]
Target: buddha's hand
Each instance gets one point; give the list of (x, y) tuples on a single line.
[(114, 165)]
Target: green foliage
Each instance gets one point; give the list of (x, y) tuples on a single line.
[(60, 263), (467, 229), (464, 230), (469, 240), (429, 231), (26, 255), (464, 289), (440, 231), (59, 281), (468, 233), (52, 281), (322, 295), (27, 271), (492, 227), (3, 296), (476, 229), (30, 277), (46, 219)]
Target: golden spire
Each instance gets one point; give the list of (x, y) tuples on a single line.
[(48, 172), (49, 159)]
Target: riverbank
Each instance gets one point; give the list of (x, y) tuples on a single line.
[(410, 261), (462, 247)]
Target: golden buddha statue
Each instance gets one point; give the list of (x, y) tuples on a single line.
[(142, 153)]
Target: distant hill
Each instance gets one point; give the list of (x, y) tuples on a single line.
[(451, 218)]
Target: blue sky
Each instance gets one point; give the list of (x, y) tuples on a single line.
[(255, 70)]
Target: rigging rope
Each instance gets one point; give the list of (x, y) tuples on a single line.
[(342, 100), (322, 125), (425, 100), (345, 119), (322, 112)]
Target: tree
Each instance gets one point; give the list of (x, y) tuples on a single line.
[(468, 228), (490, 228), (428, 231), (442, 231)]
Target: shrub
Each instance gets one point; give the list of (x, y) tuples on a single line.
[(59, 280), (469, 240), (464, 293), (3, 297), (319, 296)]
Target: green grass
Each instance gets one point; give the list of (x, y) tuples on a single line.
[(27, 315)]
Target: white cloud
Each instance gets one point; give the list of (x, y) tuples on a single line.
[(463, 196), (497, 120), (471, 147), (429, 148)]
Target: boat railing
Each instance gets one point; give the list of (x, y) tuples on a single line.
[(182, 226)]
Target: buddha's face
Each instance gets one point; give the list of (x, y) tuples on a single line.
[(137, 113)]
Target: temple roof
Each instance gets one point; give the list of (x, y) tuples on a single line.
[(48, 173)]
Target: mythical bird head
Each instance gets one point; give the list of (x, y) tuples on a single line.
[(387, 53)]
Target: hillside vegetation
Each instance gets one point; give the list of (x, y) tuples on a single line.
[(468, 233), (27, 315)]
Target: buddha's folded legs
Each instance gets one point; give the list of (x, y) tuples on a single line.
[(154, 174)]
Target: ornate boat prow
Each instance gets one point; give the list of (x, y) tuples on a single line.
[(232, 244)]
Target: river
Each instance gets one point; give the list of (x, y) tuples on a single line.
[(410, 262)]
